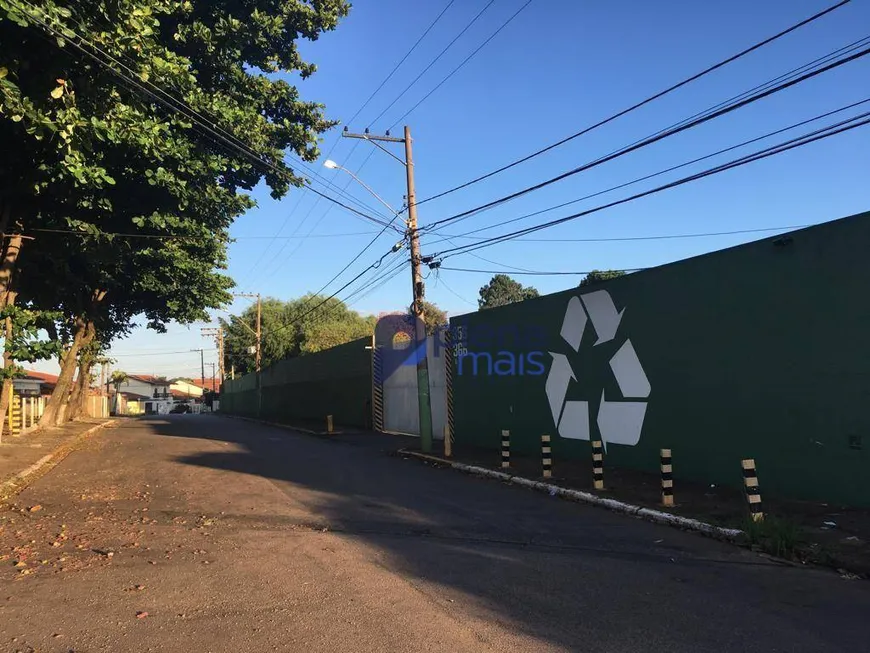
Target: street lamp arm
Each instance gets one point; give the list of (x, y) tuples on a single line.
[(335, 166)]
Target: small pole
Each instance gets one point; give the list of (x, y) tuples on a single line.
[(505, 449), (546, 457), (329, 423), (753, 493), (667, 477), (597, 465), (448, 442)]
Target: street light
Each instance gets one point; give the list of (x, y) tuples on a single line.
[(332, 165)]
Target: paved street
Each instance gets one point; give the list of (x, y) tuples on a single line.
[(200, 533)]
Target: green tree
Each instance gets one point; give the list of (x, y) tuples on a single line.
[(291, 329), (88, 152), (600, 275), (433, 316), (502, 290)]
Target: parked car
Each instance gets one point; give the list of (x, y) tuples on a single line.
[(180, 408)]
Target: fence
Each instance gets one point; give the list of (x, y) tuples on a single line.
[(23, 413), (757, 351), (336, 381)]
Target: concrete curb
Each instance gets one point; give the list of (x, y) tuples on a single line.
[(18, 482), (648, 514)]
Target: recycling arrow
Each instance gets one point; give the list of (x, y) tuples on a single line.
[(603, 314), (558, 380), (619, 421)]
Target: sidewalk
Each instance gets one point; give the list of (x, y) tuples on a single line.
[(36, 451)]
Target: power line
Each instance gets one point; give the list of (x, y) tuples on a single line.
[(661, 237), (321, 218), (441, 282), (800, 141), (332, 296), (157, 353), (464, 61), (338, 139), (532, 273), (432, 63), (640, 104), (654, 139), (659, 173), (401, 61)]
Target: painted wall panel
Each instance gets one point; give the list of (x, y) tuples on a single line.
[(760, 351)]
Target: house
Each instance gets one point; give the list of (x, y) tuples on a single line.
[(151, 393), (34, 384), (185, 389), (208, 385)]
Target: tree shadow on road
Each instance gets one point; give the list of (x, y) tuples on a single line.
[(577, 577)]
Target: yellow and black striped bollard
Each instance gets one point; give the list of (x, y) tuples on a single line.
[(753, 493), (16, 415), (546, 457), (597, 465), (667, 478), (505, 449)]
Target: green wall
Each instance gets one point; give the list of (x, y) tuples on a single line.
[(336, 381), (757, 351)]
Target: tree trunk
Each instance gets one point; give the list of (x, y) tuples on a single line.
[(54, 408), (7, 298), (79, 395)]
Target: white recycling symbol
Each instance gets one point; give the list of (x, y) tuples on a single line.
[(619, 420)]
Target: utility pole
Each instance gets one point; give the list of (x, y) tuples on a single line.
[(218, 334), (201, 362), (417, 285), (258, 350)]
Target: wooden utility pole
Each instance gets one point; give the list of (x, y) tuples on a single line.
[(417, 285), (259, 335), (218, 334), (423, 399)]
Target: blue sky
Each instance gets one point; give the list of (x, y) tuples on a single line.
[(558, 67)]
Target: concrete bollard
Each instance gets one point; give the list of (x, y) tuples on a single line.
[(597, 465), (753, 493), (505, 449), (329, 423), (16, 415), (546, 457), (667, 477)]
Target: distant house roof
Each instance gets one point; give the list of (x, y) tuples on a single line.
[(149, 378), (212, 385), (179, 394), (40, 376)]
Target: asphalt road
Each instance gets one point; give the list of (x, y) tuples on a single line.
[(201, 533)]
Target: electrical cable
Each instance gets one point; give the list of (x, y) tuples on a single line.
[(432, 63), (401, 61), (464, 61), (806, 139), (456, 294), (656, 174), (654, 139), (640, 104), (661, 237), (533, 273)]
